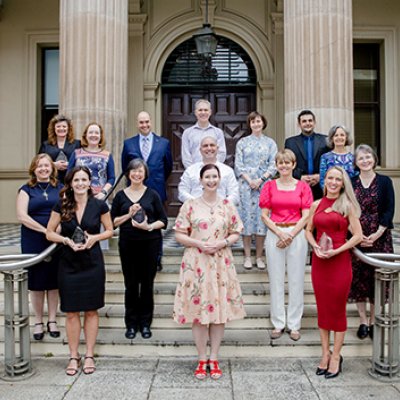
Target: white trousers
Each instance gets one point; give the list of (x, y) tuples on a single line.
[(294, 259)]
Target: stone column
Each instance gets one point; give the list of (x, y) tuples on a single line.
[(318, 62), (278, 48), (94, 66)]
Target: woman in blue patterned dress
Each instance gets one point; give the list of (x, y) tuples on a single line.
[(94, 156), (338, 140), (254, 165)]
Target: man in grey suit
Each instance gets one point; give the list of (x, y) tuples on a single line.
[(308, 147)]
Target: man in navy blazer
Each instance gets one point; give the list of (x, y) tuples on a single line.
[(156, 151), (158, 157), (308, 147)]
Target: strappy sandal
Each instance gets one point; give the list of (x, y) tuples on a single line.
[(72, 371), (39, 335), (215, 371), (88, 370), (201, 370)]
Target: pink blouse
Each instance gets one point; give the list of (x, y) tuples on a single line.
[(285, 205)]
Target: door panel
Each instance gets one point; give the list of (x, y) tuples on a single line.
[(230, 109)]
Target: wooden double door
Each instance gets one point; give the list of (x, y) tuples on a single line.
[(230, 108)]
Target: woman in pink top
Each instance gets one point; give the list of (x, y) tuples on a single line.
[(285, 204)]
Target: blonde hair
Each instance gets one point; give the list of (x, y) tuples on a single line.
[(347, 199), (285, 155)]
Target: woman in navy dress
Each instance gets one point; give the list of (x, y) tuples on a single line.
[(35, 201), (81, 274), (375, 194), (60, 143)]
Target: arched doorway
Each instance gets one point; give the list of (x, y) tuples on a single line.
[(227, 80)]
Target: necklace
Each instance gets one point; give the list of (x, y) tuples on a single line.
[(210, 206), (45, 195)]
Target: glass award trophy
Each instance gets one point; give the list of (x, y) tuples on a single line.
[(325, 243), (139, 216), (61, 157), (79, 236)]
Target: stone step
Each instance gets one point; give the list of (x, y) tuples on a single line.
[(236, 343)]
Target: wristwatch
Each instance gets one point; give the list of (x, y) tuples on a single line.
[(264, 179), (104, 192)]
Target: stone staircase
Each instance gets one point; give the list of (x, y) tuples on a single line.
[(245, 338)]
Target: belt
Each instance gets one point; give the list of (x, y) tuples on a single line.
[(285, 224)]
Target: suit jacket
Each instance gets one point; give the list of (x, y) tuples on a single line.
[(296, 144), (159, 161)]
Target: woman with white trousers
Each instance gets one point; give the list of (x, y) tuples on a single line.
[(285, 204)]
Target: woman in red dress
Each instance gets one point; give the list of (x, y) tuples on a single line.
[(335, 214)]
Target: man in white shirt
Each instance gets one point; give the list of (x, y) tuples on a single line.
[(192, 136), (190, 187)]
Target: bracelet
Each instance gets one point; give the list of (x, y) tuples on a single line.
[(151, 227), (264, 179), (227, 244), (65, 241)]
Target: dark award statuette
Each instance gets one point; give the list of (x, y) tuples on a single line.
[(139, 216), (79, 236)]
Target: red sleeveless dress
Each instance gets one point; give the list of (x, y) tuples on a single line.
[(331, 278)]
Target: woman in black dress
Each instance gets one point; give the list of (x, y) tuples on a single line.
[(81, 270), (375, 194), (139, 242), (35, 200), (60, 143)]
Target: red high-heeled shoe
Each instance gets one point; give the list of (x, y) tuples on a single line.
[(215, 371), (201, 370)]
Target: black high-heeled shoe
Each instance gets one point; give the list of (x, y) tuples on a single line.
[(331, 375), (39, 335), (322, 371), (53, 334)]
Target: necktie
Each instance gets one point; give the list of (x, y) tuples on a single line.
[(145, 148), (310, 160)]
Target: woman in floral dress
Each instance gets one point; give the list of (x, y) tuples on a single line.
[(375, 194), (254, 165), (208, 293)]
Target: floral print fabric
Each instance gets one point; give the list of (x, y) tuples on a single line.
[(208, 291), (254, 156)]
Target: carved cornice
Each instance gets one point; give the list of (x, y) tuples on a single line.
[(277, 23), (136, 23)]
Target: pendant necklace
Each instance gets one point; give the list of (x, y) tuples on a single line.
[(210, 206), (45, 195)]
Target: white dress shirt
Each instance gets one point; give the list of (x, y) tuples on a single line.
[(191, 139), (190, 187)]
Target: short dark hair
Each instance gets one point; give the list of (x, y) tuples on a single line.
[(253, 115), (135, 164), (305, 112), (207, 167)]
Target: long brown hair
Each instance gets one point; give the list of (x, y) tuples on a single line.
[(68, 202), (34, 163), (51, 131)]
